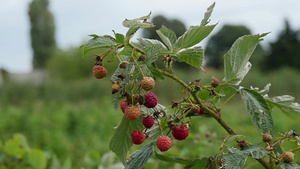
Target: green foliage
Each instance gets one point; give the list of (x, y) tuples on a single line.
[(67, 64), (42, 32), (16, 153), (183, 49)]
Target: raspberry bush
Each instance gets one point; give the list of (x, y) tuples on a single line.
[(144, 119)]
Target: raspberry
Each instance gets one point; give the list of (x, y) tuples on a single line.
[(150, 100), (147, 83), (115, 88), (148, 122), (267, 138), (132, 112), (123, 105), (123, 65), (163, 143), (215, 82), (201, 112), (180, 133), (195, 109), (138, 137), (288, 157), (99, 71)]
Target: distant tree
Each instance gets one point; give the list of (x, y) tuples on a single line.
[(285, 51), (42, 32), (221, 42)]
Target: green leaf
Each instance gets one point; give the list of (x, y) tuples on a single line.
[(202, 163), (236, 60), (155, 72), (255, 152), (167, 36), (236, 159), (140, 158), (258, 109), (98, 42), (193, 57), (121, 140), (193, 36), (147, 43), (13, 147), (131, 22), (37, 159), (67, 164), (119, 38), (284, 165), (286, 104), (23, 141), (131, 31), (173, 159), (152, 53), (207, 15)]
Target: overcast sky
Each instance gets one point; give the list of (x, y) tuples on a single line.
[(76, 19)]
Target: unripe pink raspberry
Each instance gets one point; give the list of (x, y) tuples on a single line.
[(138, 137), (180, 133), (123, 105), (147, 83), (163, 143), (150, 100), (148, 122), (132, 113)]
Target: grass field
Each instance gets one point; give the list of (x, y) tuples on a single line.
[(76, 118)]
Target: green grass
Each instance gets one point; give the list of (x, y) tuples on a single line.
[(73, 118)]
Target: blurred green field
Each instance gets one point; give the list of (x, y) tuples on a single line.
[(76, 117)]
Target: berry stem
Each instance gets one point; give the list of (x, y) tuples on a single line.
[(206, 108), (229, 99), (136, 62)]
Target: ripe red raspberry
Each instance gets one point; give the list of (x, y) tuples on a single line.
[(138, 137), (148, 122), (147, 83), (99, 71), (163, 143), (201, 112), (132, 112), (150, 100), (123, 105), (180, 133)]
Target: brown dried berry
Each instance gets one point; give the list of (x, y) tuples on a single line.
[(215, 82), (147, 83), (195, 109), (142, 58), (115, 88), (123, 65), (288, 157), (267, 138)]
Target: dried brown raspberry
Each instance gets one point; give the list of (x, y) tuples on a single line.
[(147, 83), (123, 65), (215, 82), (195, 109)]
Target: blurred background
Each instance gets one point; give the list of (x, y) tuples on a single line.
[(48, 93)]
